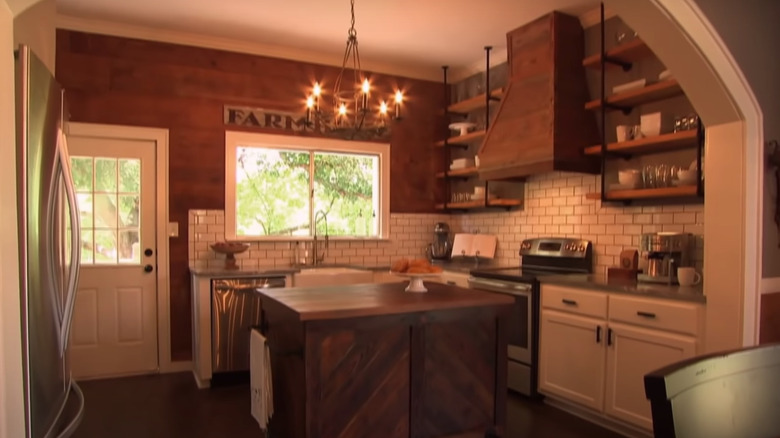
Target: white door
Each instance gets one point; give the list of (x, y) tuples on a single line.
[(572, 358), (632, 353), (114, 328)]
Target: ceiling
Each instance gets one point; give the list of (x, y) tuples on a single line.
[(409, 37)]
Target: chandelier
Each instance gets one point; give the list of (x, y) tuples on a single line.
[(352, 114)]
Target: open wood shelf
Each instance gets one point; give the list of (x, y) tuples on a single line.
[(473, 205), (474, 103), (462, 173), (658, 143), (664, 192), (629, 52), (460, 139), (651, 93)]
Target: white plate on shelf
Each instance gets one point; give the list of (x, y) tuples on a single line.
[(416, 280), (463, 127), (629, 86)]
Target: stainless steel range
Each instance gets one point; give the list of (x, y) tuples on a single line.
[(540, 257)]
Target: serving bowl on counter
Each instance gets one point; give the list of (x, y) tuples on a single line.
[(230, 249)]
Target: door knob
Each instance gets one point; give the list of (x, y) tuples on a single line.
[(148, 268), (148, 252)]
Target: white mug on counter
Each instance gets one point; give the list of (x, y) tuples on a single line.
[(687, 276)]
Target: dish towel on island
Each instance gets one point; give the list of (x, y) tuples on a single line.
[(260, 379)]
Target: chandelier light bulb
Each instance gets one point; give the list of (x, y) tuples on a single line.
[(317, 89), (365, 86), (342, 110), (383, 108), (310, 102), (399, 97)]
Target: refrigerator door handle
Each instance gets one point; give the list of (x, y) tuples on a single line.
[(75, 245)]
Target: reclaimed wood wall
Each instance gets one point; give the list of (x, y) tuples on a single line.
[(113, 80)]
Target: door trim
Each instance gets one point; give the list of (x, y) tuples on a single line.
[(160, 137)]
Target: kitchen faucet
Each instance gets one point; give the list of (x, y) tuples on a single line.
[(319, 258)]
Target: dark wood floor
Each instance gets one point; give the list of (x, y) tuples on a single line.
[(170, 405)]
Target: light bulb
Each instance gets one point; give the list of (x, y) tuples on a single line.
[(317, 89), (365, 86), (310, 102), (383, 108), (399, 97), (342, 110)]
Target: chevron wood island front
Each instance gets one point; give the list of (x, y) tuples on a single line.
[(372, 360)]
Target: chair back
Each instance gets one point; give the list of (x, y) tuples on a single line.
[(732, 394)]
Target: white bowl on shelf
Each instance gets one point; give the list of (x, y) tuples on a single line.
[(462, 127), (686, 177), (629, 177)]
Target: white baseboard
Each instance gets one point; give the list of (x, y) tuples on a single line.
[(770, 285)]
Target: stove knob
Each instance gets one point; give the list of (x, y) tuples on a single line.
[(582, 248)]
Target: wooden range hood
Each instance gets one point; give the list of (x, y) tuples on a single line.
[(541, 124)]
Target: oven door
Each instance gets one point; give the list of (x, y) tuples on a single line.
[(520, 320)]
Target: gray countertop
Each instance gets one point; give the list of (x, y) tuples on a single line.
[(453, 265), (600, 283)]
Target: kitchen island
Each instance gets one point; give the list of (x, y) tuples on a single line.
[(372, 360)]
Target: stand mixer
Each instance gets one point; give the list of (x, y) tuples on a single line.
[(441, 246)]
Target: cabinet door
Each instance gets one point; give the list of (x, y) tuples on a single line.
[(632, 353), (571, 361)]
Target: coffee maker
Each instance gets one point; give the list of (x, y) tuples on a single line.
[(441, 246), (661, 254)]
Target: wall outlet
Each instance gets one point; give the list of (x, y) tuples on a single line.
[(173, 229)]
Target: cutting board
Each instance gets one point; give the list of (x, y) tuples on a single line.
[(469, 245)]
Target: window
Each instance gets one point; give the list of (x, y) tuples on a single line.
[(109, 194), (279, 187)]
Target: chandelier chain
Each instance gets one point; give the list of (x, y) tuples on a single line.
[(352, 32)]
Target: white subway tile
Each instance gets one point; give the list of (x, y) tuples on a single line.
[(685, 218), (597, 229), (664, 218), (624, 218), (606, 218), (643, 219), (558, 220), (673, 208), (614, 229), (590, 219), (632, 229)]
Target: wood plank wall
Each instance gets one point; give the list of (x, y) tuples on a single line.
[(113, 80), (770, 318)]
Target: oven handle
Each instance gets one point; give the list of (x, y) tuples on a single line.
[(523, 289)]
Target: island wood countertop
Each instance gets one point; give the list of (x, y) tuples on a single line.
[(349, 301)]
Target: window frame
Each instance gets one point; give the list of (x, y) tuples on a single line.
[(236, 139)]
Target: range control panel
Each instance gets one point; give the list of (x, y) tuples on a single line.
[(555, 247)]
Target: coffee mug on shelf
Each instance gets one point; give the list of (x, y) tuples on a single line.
[(687, 276)]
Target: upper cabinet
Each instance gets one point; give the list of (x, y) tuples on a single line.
[(541, 124), (651, 142)]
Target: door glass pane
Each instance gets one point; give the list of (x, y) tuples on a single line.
[(81, 167), (105, 210), (129, 247), (87, 246), (128, 210), (105, 175), (129, 176), (272, 192), (84, 201), (346, 191), (105, 246)]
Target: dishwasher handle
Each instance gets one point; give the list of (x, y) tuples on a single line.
[(249, 284)]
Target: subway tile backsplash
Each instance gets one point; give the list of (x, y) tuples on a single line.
[(555, 206)]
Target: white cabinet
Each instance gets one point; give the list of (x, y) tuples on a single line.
[(632, 352), (595, 347), (572, 360)]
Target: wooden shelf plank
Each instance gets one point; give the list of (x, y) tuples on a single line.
[(471, 104), (651, 93), (664, 192), (460, 139), (658, 143), (473, 205), (631, 51), (463, 173)]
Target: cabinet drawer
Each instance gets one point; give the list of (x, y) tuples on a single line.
[(577, 301), (660, 314)]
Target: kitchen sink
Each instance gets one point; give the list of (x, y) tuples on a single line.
[(331, 276)]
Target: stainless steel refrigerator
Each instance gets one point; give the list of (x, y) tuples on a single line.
[(49, 251)]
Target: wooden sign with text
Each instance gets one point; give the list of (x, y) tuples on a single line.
[(296, 123)]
